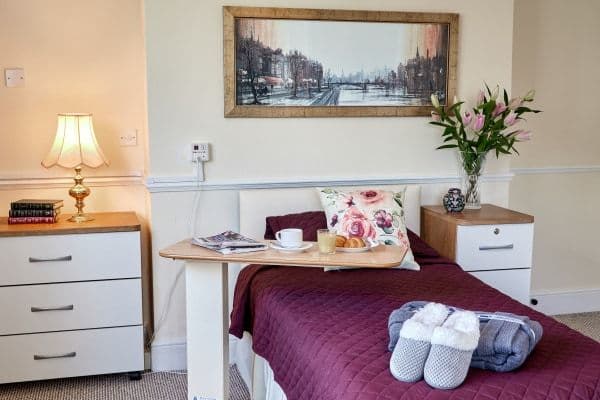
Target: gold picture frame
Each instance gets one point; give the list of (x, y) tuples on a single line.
[(243, 44)]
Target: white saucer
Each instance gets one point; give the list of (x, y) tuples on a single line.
[(305, 246), (370, 244)]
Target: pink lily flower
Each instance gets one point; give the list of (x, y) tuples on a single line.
[(510, 119), (523, 136), (499, 109), (467, 118), (435, 116), (478, 122)]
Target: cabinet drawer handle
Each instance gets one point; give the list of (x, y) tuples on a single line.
[(70, 307), (66, 355), (502, 247), (35, 260)]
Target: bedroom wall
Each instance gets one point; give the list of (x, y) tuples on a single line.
[(78, 56), (558, 173), (185, 92)]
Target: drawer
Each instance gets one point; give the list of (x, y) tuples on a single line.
[(67, 306), (67, 258), (486, 247), (74, 353), (512, 282)]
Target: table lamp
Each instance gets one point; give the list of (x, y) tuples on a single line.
[(75, 145)]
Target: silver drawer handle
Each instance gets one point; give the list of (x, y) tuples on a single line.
[(65, 258), (70, 307), (503, 247), (67, 355)]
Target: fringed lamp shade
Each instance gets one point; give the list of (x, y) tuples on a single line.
[(75, 143)]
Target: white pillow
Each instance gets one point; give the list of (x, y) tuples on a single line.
[(369, 213)]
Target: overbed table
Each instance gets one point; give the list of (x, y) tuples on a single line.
[(207, 302)]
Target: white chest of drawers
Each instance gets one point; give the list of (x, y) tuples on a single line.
[(70, 298), (494, 244)]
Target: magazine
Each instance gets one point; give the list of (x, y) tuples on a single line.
[(229, 242)]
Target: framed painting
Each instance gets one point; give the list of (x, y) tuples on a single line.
[(289, 62)]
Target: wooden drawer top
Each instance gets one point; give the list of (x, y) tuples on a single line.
[(103, 222), (488, 215)]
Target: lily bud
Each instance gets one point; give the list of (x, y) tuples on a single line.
[(480, 97), (499, 109), (515, 103), (478, 122), (435, 101), (523, 136), (510, 119), (467, 118), (495, 93), (529, 95)]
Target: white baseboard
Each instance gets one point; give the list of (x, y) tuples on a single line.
[(556, 303), (173, 356), (169, 357)]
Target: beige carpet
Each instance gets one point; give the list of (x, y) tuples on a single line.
[(152, 386), (173, 386), (586, 323)]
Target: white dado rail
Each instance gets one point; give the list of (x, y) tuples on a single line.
[(23, 182), (186, 183)]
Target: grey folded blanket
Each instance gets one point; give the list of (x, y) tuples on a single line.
[(505, 342)]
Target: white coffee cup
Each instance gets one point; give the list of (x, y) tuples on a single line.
[(291, 237)]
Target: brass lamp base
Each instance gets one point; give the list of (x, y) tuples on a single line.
[(79, 192)]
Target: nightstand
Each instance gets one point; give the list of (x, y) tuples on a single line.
[(494, 244), (71, 298)]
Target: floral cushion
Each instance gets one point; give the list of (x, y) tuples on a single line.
[(369, 213)]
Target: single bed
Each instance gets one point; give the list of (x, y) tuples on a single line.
[(324, 334)]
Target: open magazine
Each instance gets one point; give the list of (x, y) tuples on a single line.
[(229, 242)]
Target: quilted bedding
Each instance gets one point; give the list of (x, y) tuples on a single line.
[(325, 334)]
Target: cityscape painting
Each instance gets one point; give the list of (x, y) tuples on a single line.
[(299, 62)]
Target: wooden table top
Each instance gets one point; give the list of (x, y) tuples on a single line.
[(103, 222), (487, 215), (379, 257)]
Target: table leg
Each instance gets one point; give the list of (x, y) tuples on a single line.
[(207, 330)]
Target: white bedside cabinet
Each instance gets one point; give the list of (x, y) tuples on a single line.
[(493, 243), (71, 298)]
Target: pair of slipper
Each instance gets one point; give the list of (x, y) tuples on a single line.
[(435, 346)]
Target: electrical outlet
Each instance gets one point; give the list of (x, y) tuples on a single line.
[(200, 152), (128, 139), (14, 77)]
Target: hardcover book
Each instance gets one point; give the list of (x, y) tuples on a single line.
[(34, 213), (31, 220), (36, 204)]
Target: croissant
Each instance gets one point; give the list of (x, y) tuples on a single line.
[(355, 242), (340, 241)]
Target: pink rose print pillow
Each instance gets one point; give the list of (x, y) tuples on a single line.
[(368, 213)]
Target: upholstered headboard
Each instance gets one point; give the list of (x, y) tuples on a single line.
[(256, 205)]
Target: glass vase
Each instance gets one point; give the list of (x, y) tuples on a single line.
[(471, 165)]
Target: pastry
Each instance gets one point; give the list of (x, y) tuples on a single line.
[(340, 241), (355, 242)]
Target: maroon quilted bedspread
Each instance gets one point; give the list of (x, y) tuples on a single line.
[(325, 333)]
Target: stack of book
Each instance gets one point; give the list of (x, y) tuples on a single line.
[(34, 211)]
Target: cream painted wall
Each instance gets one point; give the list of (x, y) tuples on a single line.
[(78, 56), (185, 90), (557, 52)]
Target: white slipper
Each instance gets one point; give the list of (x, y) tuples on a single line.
[(452, 346), (412, 349)]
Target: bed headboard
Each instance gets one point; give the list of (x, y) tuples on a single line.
[(257, 204)]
